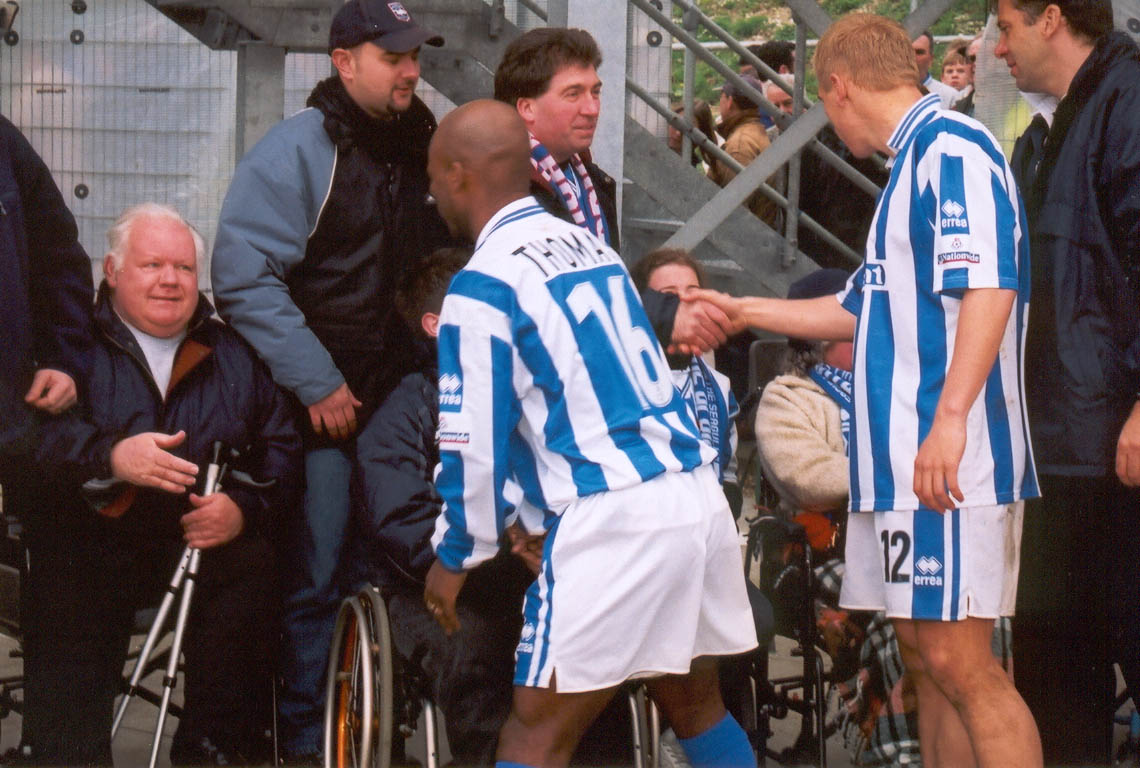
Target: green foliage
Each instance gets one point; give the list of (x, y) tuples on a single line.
[(770, 20)]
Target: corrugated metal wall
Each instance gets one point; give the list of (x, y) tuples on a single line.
[(125, 107)]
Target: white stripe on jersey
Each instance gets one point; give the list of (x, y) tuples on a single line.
[(949, 220), (550, 375)]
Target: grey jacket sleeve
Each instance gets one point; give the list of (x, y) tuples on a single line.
[(269, 212)]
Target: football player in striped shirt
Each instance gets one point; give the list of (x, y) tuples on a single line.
[(940, 456), (551, 378)]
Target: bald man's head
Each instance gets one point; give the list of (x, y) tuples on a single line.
[(479, 161)]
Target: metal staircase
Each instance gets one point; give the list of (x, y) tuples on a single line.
[(664, 200)]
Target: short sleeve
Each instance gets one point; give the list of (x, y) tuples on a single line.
[(975, 221)]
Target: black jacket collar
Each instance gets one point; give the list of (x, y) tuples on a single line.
[(403, 137)]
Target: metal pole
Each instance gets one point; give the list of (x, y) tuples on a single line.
[(791, 231), (151, 638), (690, 22), (168, 680), (534, 8)]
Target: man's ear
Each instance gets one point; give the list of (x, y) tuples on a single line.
[(455, 177), (525, 108), (109, 270), (342, 60), (430, 323), (1051, 19), (839, 86)]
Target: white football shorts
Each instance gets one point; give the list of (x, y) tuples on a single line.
[(925, 565), (636, 583)]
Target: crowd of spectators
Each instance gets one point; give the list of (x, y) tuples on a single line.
[(329, 271)]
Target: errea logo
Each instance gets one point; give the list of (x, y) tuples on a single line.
[(928, 569), (450, 392), (954, 216), (928, 565)]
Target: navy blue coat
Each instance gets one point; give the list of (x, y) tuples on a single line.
[(1083, 204), (397, 453), (45, 287), (220, 391)]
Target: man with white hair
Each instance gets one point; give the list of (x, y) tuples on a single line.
[(164, 373)]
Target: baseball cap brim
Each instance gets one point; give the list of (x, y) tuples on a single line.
[(407, 39)]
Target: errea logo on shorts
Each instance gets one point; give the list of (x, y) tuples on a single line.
[(954, 217), (450, 392), (928, 569), (526, 639)]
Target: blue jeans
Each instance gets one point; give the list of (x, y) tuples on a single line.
[(313, 596)]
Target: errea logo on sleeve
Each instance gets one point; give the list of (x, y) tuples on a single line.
[(450, 392), (954, 217)]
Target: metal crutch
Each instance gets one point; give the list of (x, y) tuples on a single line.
[(183, 580)]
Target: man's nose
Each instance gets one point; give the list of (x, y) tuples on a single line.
[(591, 104), (168, 274), (411, 68)]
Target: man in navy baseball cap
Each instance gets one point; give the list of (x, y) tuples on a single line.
[(320, 215), (386, 24)]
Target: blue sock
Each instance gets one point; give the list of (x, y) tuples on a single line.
[(725, 745), (505, 764)]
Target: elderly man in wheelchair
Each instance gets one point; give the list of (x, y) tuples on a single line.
[(167, 384)]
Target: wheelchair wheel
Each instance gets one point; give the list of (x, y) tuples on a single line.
[(349, 694), (382, 665)]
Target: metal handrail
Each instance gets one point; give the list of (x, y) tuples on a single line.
[(781, 119), (711, 149)]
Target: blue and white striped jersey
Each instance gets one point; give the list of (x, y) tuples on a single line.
[(949, 220), (550, 374)]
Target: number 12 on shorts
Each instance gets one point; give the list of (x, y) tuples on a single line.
[(896, 549)]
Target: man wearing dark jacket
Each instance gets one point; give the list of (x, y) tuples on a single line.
[(1078, 607), (45, 309), (322, 219), (100, 549)]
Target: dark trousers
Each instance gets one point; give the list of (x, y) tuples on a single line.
[(1078, 611), (471, 671), (86, 577)]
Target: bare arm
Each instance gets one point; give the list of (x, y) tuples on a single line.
[(981, 324), (822, 318)]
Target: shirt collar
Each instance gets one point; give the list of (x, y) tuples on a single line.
[(516, 209), (914, 117)]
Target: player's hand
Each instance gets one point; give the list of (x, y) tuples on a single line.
[(1128, 450), (526, 546), (216, 519), (441, 590), (52, 391), (336, 413), (701, 322), (143, 459), (936, 465)]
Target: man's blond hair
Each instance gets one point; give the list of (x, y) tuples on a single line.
[(873, 51)]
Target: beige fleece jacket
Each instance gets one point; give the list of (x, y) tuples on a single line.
[(801, 445)]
